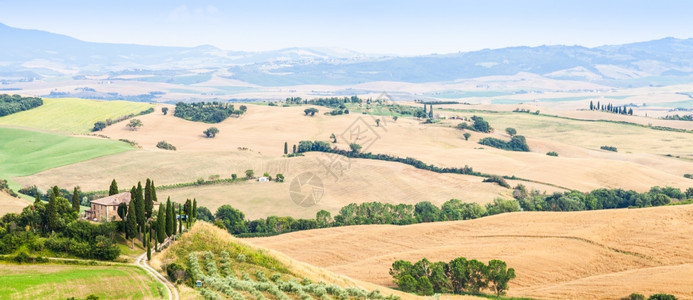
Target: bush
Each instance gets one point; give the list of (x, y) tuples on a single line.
[(175, 272), (609, 148), (516, 143), (499, 180), (16, 103), (552, 153), (208, 112), (166, 146), (634, 296), (661, 297)]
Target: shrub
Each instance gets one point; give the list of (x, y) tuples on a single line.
[(634, 296), (516, 143), (661, 297), (499, 180), (609, 148), (166, 146), (552, 153)]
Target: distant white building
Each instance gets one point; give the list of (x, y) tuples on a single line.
[(263, 179)]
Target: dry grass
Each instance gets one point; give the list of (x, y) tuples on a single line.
[(592, 254), (9, 204)]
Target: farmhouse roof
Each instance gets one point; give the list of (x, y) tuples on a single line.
[(113, 200)]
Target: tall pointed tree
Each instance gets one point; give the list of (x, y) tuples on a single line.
[(114, 188), (37, 199), (286, 148), (161, 224), (174, 220), (148, 204), (56, 191), (152, 189), (141, 218), (52, 217), (131, 223), (169, 217), (75, 200), (194, 209), (149, 247)]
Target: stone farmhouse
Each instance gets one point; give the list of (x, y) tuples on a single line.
[(106, 209)]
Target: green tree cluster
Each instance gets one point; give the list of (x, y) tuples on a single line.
[(457, 276), (16, 103), (207, 112)]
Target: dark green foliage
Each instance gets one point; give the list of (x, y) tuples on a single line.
[(75, 200), (99, 125), (174, 219), (499, 206), (194, 209), (165, 145), (233, 219), (511, 131), (113, 189), (661, 297), (634, 296), (139, 208), (458, 276), (310, 111), (249, 174), (134, 124), (203, 214), (16, 103), (149, 247), (467, 135), (164, 110), (122, 211), (208, 112), (499, 180), (169, 217), (499, 276), (516, 143), (131, 222), (355, 147), (552, 153), (180, 221), (453, 210), (161, 223), (426, 212), (148, 202), (286, 147), (481, 125), (211, 132), (609, 148)]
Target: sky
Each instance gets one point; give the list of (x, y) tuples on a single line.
[(376, 27)]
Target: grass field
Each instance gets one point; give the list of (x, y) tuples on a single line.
[(70, 115), (604, 254), (55, 281), (24, 152)]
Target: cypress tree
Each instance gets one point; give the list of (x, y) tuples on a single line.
[(173, 218), (286, 148), (139, 210), (56, 191), (131, 222), (149, 248), (133, 203), (113, 189), (180, 222), (52, 213), (152, 189), (75, 200), (169, 217), (194, 209), (37, 200), (294, 148), (148, 203), (161, 224)]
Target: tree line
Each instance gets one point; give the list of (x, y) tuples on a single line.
[(457, 276), (233, 220), (597, 199), (16, 103), (332, 102), (516, 143), (208, 112), (611, 108), (678, 118)]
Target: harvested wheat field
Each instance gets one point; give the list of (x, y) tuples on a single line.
[(556, 255), (9, 204)]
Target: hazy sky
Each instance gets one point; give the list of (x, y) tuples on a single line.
[(386, 27)]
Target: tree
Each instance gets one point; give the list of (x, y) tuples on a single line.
[(591, 105), (310, 111), (211, 132), (134, 124), (52, 217), (149, 247), (334, 138), (661, 297), (355, 147), (131, 223), (394, 118), (114, 188), (294, 149), (499, 275), (480, 124), (377, 122), (152, 190), (169, 217), (324, 218), (139, 209), (286, 148), (161, 224), (148, 203), (634, 296), (164, 110), (122, 210), (511, 131), (75, 200), (37, 199), (426, 212), (194, 210), (98, 126), (458, 274), (430, 111), (174, 219), (233, 219), (180, 222), (249, 174), (476, 276), (466, 136), (279, 177)]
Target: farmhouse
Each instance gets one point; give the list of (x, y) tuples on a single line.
[(263, 179), (106, 209)]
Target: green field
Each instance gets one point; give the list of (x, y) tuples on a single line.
[(72, 115), (51, 281), (24, 152)]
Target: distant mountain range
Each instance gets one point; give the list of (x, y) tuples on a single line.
[(33, 54)]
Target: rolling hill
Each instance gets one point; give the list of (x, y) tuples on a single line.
[(578, 255)]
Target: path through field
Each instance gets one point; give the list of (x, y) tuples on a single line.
[(172, 291)]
